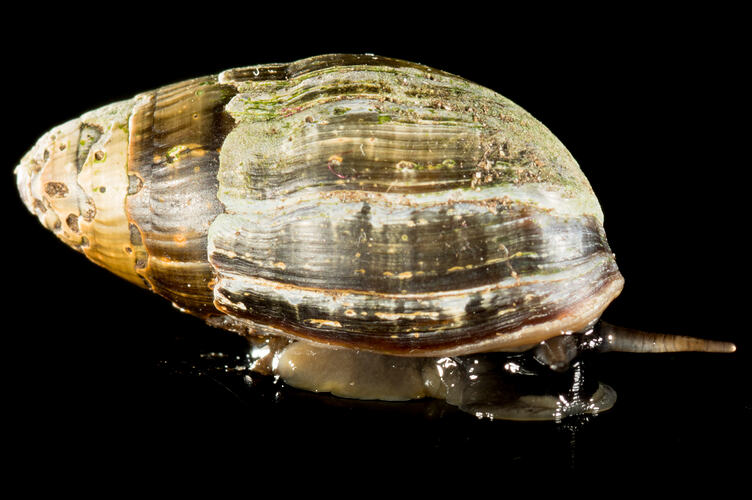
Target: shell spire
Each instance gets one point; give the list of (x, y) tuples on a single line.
[(621, 339)]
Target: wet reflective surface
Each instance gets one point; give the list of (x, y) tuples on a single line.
[(185, 392)]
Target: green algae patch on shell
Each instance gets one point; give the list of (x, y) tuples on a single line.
[(444, 119)]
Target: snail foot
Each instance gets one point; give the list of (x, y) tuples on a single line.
[(492, 385)]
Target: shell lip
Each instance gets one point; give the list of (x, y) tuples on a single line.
[(574, 319)]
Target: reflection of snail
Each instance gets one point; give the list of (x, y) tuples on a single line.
[(377, 229)]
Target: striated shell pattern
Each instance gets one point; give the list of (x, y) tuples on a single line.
[(350, 200)]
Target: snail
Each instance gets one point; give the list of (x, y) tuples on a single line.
[(376, 228)]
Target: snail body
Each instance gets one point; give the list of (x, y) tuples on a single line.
[(375, 227)]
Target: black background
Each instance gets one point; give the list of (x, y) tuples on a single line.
[(106, 380)]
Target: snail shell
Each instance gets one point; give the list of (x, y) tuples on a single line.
[(350, 201)]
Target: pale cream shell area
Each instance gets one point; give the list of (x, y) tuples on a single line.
[(76, 183)]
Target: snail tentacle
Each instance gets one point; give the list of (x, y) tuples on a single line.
[(621, 339)]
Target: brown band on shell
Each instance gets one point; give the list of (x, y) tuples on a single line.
[(176, 134), (519, 268), (402, 250)]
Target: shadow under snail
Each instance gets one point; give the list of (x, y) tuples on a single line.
[(378, 229)]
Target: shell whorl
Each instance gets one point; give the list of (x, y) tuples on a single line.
[(350, 200)]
